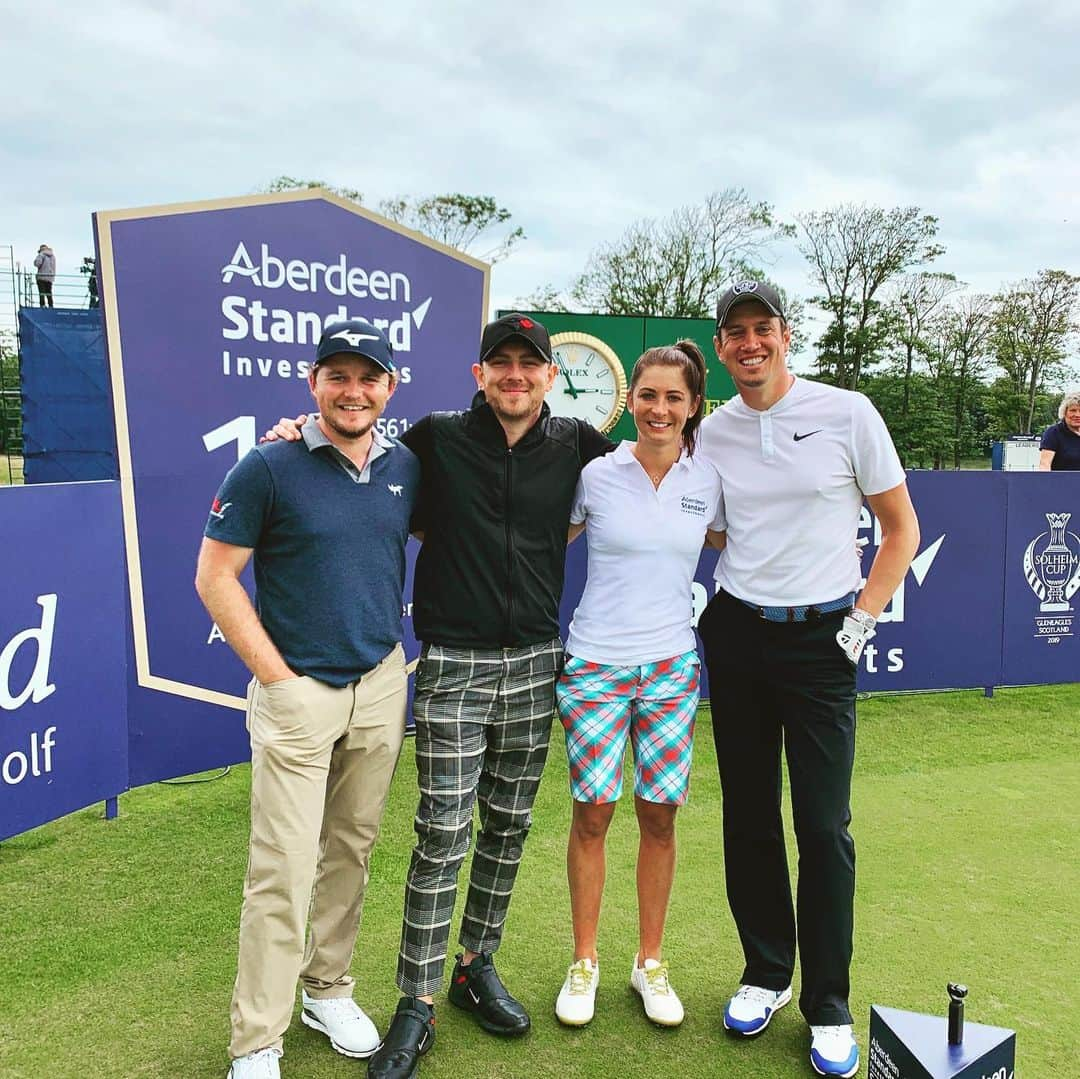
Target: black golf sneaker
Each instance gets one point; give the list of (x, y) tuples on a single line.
[(411, 1035), (477, 988)]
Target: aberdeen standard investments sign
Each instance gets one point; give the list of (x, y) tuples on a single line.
[(212, 314)]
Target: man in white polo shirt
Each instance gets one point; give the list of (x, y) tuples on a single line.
[(782, 639)]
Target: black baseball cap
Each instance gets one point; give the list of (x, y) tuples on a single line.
[(358, 337), (515, 325), (744, 291)]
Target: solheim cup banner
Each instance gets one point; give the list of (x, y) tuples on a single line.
[(1042, 578), (212, 313)]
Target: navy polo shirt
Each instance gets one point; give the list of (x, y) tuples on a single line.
[(329, 548), (1066, 447)]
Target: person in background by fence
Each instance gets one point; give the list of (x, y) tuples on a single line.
[(89, 267), (1059, 450), (45, 269)]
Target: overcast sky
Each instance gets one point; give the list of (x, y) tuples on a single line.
[(578, 118)]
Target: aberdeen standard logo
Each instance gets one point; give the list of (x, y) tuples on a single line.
[(1052, 571)]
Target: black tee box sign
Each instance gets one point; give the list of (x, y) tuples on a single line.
[(907, 1045)]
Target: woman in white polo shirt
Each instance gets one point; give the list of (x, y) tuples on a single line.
[(632, 663)]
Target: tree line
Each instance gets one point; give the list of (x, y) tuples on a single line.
[(949, 369)]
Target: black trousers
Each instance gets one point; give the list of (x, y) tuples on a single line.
[(786, 687)]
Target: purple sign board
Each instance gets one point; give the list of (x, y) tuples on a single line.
[(212, 314), (942, 629), (63, 732)]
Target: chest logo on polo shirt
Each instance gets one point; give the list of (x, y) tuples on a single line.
[(799, 438), (394, 488), (695, 507)]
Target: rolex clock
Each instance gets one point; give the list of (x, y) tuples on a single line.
[(591, 383)]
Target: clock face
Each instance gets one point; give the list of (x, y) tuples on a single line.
[(591, 383)]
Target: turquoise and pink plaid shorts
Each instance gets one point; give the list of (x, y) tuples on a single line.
[(653, 704)]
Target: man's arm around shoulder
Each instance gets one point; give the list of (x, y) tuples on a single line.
[(592, 443), (217, 580)]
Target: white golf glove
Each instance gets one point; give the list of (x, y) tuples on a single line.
[(858, 628)]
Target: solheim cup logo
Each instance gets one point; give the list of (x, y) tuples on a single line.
[(1052, 564)]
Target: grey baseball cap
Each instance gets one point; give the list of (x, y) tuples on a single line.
[(744, 291)]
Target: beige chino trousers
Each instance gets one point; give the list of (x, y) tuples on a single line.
[(321, 763)]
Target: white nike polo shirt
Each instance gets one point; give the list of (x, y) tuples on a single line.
[(794, 477)]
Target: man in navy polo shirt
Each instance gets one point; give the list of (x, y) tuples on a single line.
[(327, 519), (782, 639)]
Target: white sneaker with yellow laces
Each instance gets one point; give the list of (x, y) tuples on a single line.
[(662, 1004), (577, 998)]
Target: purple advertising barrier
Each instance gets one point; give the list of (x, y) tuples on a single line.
[(212, 313), (63, 735), (943, 627), (1042, 578)]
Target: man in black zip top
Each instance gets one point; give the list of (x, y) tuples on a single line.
[(497, 483)]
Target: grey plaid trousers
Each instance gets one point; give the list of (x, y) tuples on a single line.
[(483, 720)]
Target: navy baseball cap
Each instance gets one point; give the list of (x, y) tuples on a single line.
[(743, 292), (358, 337), (514, 325)]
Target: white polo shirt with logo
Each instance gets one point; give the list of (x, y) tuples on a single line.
[(644, 545), (794, 478)]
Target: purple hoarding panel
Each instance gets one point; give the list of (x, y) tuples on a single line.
[(63, 735), (1042, 577), (212, 315), (942, 629)]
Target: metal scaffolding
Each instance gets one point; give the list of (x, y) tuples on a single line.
[(18, 288)]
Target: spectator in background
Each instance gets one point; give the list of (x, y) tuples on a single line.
[(45, 268), (89, 267), (1060, 446)]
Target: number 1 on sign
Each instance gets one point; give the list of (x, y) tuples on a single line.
[(240, 430)]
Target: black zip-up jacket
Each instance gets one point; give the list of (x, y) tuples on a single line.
[(494, 518)]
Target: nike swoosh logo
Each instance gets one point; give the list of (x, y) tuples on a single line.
[(799, 438)]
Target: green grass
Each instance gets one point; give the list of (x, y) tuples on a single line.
[(11, 469), (117, 939)]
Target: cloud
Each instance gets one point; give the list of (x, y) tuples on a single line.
[(578, 118)]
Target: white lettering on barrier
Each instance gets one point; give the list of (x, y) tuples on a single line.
[(16, 765), (38, 687), (252, 320), (248, 366)]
